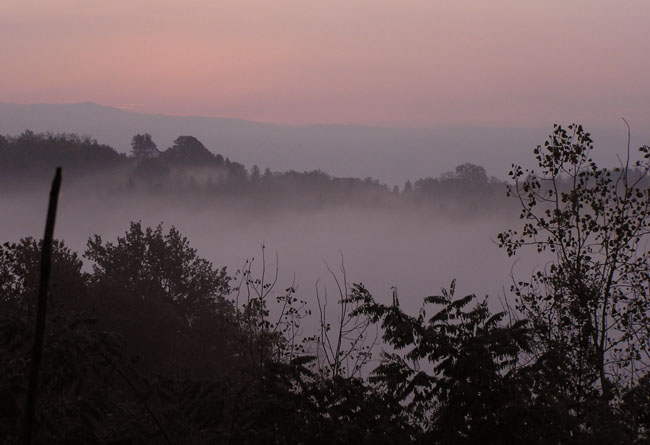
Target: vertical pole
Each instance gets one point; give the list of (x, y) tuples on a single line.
[(39, 336)]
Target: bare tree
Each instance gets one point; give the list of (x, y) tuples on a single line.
[(272, 331), (345, 347)]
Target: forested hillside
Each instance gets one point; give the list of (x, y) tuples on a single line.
[(189, 168)]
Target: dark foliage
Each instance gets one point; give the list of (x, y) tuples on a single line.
[(143, 147), (153, 288), (189, 150), (455, 369), (32, 156), (19, 271)]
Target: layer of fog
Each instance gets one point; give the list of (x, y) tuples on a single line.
[(418, 254)]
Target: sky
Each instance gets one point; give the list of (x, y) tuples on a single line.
[(423, 63)]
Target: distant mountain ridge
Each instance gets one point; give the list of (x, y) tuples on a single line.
[(391, 155)]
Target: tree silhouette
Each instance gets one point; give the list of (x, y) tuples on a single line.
[(589, 307), (143, 147), (454, 367), (189, 150), (153, 287)]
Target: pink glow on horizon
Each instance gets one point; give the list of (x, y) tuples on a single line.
[(385, 62)]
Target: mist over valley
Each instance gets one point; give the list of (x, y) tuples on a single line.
[(415, 240)]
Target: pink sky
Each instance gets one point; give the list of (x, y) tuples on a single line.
[(379, 62)]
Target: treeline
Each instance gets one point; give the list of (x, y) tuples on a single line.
[(189, 167), (149, 343), (32, 156)]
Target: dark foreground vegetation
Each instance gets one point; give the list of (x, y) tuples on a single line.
[(149, 343)]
